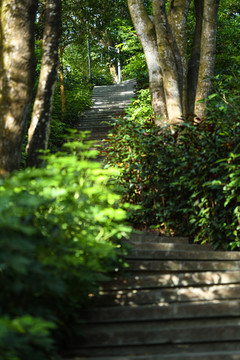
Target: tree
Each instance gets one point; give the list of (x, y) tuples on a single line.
[(17, 70), (38, 132), (16, 77), (93, 21), (176, 83)]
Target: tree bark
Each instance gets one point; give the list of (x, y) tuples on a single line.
[(17, 65), (146, 34), (193, 66), (207, 55), (182, 83), (62, 88), (168, 63), (107, 42), (38, 133), (177, 17)]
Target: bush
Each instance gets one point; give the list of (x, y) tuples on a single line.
[(78, 98), (59, 235), (26, 338), (186, 182)]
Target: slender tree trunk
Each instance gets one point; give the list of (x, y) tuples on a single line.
[(193, 66), (38, 133), (207, 55), (62, 88), (17, 64)]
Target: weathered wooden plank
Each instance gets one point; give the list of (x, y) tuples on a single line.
[(167, 295), (172, 280), (162, 332), (229, 308), (150, 265), (183, 255)]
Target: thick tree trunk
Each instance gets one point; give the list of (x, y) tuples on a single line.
[(146, 34), (17, 66), (168, 63), (183, 82), (207, 55), (38, 133), (177, 17)]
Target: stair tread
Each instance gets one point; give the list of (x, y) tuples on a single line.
[(231, 355), (172, 280), (164, 312), (182, 254), (169, 295)]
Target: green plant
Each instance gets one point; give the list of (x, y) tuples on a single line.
[(181, 180), (26, 338), (59, 236), (78, 98)]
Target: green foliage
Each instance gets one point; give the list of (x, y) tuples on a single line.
[(78, 95), (141, 107), (59, 235), (227, 56), (186, 182), (133, 59), (26, 338)]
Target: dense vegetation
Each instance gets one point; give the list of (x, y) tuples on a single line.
[(187, 182), (61, 224), (59, 228)]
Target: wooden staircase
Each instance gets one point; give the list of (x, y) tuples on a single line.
[(109, 102), (175, 301)]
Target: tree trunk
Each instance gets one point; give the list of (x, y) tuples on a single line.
[(193, 66), (107, 42), (207, 56), (62, 88), (17, 64), (177, 17), (38, 133), (179, 83), (146, 34), (168, 61)]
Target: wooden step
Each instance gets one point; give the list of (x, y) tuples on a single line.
[(183, 255), (168, 295), (172, 280), (156, 237), (162, 332), (151, 352), (222, 355), (168, 266), (166, 246), (217, 309)]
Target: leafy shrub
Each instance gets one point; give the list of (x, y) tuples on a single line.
[(59, 231), (132, 56), (186, 182), (101, 76), (78, 98), (26, 338)]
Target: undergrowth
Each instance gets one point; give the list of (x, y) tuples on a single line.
[(59, 236), (186, 183)]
